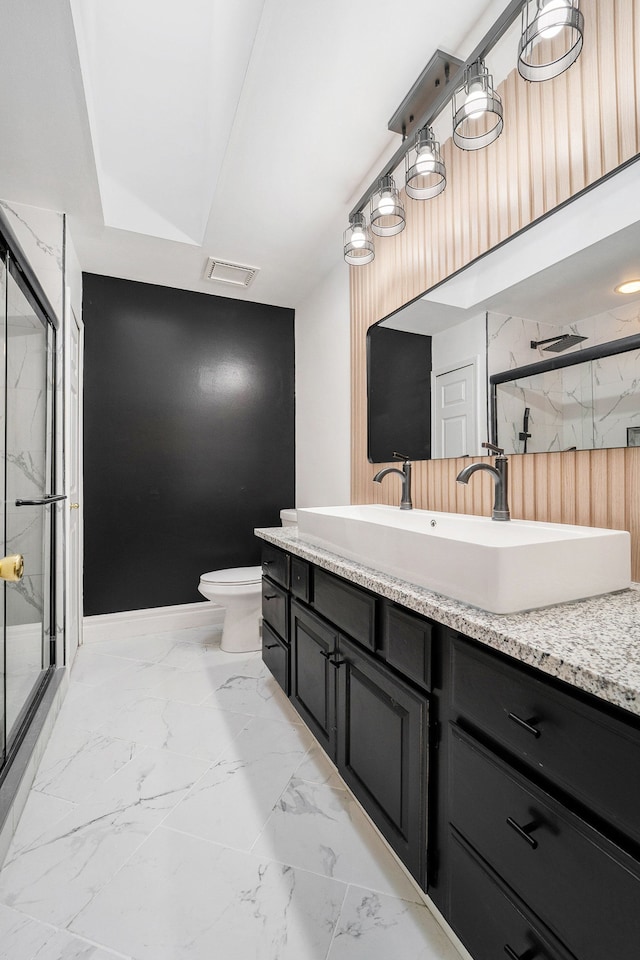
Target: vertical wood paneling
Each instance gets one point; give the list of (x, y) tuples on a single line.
[(559, 137)]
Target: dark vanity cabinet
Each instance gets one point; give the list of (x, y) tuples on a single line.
[(275, 614), (543, 814), (366, 710), (513, 798)]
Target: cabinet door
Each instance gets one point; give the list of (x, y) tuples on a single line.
[(313, 642), (382, 751)]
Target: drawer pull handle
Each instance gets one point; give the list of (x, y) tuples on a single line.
[(327, 654), (267, 563), (526, 725), (270, 596), (337, 663), (510, 952), (524, 832), (270, 646)]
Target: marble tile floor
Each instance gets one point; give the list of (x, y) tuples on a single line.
[(182, 810)]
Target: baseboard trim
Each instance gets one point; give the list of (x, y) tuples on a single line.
[(137, 623)]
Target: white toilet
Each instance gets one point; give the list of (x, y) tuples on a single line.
[(239, 591)]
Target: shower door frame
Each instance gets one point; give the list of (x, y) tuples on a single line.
[(18, 267)]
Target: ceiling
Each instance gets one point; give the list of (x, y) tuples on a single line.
[(239, 129), (562, 269)]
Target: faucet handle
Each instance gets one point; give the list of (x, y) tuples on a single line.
[(400, 456), (494, 449)]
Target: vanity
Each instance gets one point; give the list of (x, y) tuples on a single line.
[(499, 755)]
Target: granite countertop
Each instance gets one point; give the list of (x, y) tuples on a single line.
[(593, 644)]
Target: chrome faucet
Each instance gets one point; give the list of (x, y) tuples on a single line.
[(500, 474), (405, 473)]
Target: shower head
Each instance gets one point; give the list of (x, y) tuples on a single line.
[(557, 344)]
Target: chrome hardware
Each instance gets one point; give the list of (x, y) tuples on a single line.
[(510, 952), (41, 501), (500, 473), (12, 567), (526, 725), (405, 473), (525, 831)]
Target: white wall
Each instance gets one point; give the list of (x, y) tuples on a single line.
[(323, 393)]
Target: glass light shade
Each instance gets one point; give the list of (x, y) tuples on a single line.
[(551, 40), (425, 174), (358, 242), (477, 109), (387, 213)]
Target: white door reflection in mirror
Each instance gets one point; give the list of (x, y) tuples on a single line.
[(455, 413)]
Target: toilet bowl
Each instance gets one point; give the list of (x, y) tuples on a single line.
[(239, 591)]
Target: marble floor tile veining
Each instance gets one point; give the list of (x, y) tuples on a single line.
[(182, 811)]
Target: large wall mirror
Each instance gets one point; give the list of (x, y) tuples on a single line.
[(531, 346)]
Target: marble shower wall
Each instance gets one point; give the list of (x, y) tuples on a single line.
[(585, 406)]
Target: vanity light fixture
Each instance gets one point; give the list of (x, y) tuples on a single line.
[(629, 286), (425, 175), (477, 109), (358, 243), (387, 213), (551, 40)]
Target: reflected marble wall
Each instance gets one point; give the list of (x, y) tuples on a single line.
[(585, 406)]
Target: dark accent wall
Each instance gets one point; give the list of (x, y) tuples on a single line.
[(189, 438)]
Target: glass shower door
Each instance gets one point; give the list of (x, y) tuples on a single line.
[(27, 406)]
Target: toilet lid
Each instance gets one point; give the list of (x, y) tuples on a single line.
[(234, 575)]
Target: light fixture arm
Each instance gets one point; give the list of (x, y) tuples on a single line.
[(499, 28)]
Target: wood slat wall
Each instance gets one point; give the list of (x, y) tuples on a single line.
[(575, 129)]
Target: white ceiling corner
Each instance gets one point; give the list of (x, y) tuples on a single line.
[(162, 84), (234, 128)]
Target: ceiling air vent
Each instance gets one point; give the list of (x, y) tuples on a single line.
[(234, 273)]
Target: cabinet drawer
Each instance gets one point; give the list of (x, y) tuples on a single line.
[(275, 654), (301, 579), (406, 644), (275, 564), (487, 919), (585, 889), (351, 609), (593, 756), (275, 608)]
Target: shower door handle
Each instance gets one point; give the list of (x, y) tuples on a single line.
[(12, 567), (41, 501)]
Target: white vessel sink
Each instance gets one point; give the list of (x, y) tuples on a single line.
[(503, 567)]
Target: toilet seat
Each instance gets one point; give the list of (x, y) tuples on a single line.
[(234, 576)]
